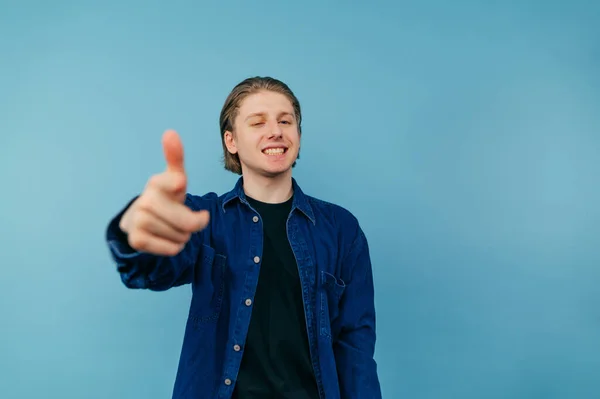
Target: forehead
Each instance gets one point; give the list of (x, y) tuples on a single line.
[(265, 102)]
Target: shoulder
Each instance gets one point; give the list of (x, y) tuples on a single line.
[(336, 213), (208, 201), (338, 220)]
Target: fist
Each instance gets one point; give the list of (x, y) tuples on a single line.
[(158, 221)]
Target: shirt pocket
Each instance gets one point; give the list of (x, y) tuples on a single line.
[(208, 287), (330, 294)]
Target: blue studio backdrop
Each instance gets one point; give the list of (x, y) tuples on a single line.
[(464, 135)]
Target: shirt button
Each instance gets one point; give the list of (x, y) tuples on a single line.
[(236, 348), (256, 259), (227, 381), (255, 219), (248, 302)]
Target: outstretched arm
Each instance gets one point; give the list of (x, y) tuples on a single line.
[(146, 270), (156, 238)]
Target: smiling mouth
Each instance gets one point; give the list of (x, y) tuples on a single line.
[(275, 151)]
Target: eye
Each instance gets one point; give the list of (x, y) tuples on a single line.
[(285, 122), (258, 124)]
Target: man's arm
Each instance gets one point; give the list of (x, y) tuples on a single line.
[(144, 270), (156, 238), (355, 347)]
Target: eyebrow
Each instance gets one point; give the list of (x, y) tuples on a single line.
[(284, 113)]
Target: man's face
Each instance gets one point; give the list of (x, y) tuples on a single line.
[(266, 136)]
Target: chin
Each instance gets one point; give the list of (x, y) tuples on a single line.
[(274, 171)]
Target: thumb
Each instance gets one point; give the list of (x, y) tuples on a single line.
[(173, 151), (200, 220)]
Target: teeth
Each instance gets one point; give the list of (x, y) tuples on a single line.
[(273, 151)]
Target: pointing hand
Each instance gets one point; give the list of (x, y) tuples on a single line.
[(158, 221)]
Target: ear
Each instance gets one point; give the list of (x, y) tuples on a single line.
[(230, 142)]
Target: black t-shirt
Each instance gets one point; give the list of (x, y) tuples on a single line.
[(276, 362)]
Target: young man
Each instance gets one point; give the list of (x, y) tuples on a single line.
[(282, 303)]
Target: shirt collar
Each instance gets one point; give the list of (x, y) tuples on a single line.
[(300, 201)]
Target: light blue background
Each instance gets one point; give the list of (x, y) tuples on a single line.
[(465, 136)]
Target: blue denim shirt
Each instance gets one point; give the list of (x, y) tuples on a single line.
[(222, 265)]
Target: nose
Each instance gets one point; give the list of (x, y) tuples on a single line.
[(275, 131)]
